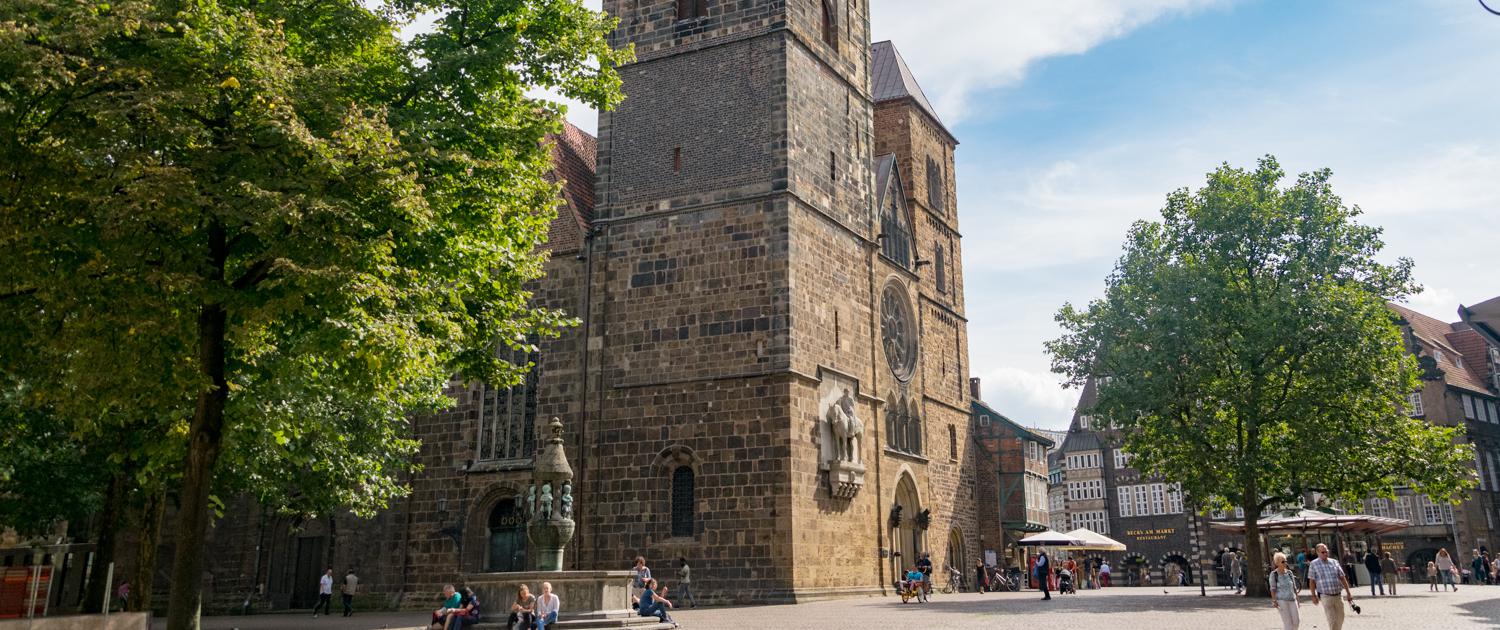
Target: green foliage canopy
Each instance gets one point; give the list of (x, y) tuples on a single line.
[(1244, 348), (275, 228)]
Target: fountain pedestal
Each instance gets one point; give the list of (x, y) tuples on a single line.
[(589, 599)]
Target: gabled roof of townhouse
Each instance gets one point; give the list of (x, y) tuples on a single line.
[(1460, 351)]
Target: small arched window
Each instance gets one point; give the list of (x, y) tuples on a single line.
[(913, 430), (684, 489), (830, 25), (934, 184), (892, 423), (940, 267)]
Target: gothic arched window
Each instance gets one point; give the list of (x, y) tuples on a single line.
[(830, 25), (892, 422), (507, 416), (934, 184), (684, 489), (940, 267), (896, 241), (913, 430)]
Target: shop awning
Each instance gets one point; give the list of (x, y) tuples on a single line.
[(1312, 521), (1051, 538), (1096, 541)]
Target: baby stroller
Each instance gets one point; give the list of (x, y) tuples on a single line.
[(1065, 582)]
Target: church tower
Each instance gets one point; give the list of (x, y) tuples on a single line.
[(760, 396)]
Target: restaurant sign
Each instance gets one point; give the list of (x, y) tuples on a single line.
[(1151, 534)]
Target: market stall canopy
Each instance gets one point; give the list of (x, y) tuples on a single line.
[(1096, 541), (1051, 538), (1315, 521)]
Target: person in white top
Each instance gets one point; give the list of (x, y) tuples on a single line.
[(547, 606), (325, 592)]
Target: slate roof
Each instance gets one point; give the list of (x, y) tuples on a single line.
[(1455, 341), (885, 167), (980, 407), (573, 160), (1484, 317), (891, 79)]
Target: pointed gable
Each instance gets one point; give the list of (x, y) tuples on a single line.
[(896, 242)]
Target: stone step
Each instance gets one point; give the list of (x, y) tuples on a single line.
[(619, 623)]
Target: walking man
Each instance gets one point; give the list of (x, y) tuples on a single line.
[(1326, 579), (685, 580), (351, 583), (325, 593), (1043, 571), (1377, 573), (1389, 573)]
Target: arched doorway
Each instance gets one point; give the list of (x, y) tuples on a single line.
[(1175, 567), (957, 558), (906, 536), (507, 541)]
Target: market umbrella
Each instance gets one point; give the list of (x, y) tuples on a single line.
[(1096, 541), (1051, 538)]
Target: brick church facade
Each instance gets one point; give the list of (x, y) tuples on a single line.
[(770, 373)]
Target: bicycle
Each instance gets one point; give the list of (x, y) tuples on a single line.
[(955, 583)]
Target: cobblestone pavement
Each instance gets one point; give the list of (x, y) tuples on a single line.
[(1123, 608)]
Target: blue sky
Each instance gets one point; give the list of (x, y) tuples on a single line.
[(1077, 117)]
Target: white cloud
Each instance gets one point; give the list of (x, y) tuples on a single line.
[(958, 47), (1030, 398)]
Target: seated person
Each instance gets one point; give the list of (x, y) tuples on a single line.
[(547, 606), (522, 610), (654, 603), (451, 601), (914, 582), (467, 613)]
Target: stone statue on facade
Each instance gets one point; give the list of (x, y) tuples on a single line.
[(546, 505), (567, 499), (847, 428)]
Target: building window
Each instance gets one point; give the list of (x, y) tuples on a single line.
[(895, 242), (507, 416), (683, 491), (1469, 412), (1142, 502), (1494, 414), (691, 9), (952, 276), (1158, 499), (1479, 469), (1124, 502), (1414, 404), (1174, 499), (1494, 474), (833, 166), (934, 184), (984, 420), (1378, 507), (1401, 507), (830, 25), (952, 442), (903, 426), (940, 267), (898, 331), (1122, 459)]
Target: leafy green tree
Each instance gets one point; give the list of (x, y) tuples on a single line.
[(1244, 348), (279, 219)]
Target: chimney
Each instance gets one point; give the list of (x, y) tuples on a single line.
[(974, 388)]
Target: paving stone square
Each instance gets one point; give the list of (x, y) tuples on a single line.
[(1123, 608)]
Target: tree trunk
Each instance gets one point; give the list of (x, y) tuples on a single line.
[(145, 553), (104, 549), (205, 440), (1256, 584)]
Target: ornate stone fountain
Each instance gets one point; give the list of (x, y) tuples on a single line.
[(590, 599)]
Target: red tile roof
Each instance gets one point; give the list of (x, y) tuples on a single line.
[(573, 161), (1455, 342)]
